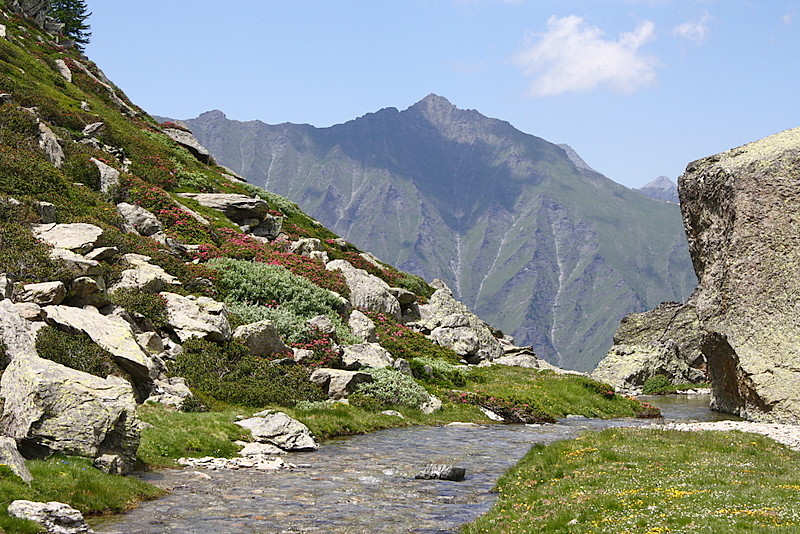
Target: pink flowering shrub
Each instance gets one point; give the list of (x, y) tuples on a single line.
[(402, 342), (322, 344), (509, 408)]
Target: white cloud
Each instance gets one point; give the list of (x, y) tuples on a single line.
[(574, 56), (788, 18), (696, 30)]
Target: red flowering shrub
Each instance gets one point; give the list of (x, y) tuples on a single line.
[(156, 170), (326, 353), (312, 270), (405, 343)]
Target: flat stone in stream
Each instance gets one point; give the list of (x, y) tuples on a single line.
[(442, 472)]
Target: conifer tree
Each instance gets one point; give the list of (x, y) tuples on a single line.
[(73, 14)]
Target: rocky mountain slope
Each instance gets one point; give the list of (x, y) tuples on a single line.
[(521, 229), (662, 188)]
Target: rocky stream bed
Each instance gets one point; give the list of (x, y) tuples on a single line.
[(362, 484)]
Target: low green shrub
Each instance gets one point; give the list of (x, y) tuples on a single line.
[(22, 257), (393, 388), (228, 373), (402, 342), (290, 325), (656, 384), (438, 372), (152, 307), (75, 350)]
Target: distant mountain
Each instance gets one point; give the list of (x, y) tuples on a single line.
[(527, 235), (662, 188)]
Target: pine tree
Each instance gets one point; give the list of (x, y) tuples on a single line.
[(73, 14)]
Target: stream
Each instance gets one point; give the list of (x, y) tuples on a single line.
[(364, 484)]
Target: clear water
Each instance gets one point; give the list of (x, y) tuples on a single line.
[(362, 484)]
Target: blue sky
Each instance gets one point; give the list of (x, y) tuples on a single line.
[(638, 87)]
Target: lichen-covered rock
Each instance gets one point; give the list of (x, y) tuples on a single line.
[(664, 341), (362, 355), (190, 142), (77, 237), (170, 392), (362, 326), (112, 333), (338, 383), (451, 324), (143, 275), (10, 456), (43, 293), (138, 220), (367, 292), (75, 263), (740, 210), (261, 338), (280, 430), (55, 517), (49, 143), (197, 317), (109, 176), (235, 207)]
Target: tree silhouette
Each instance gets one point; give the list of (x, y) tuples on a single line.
[(73, 14)]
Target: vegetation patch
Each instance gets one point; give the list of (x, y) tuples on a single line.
[(402, 342), (661, 385), (393, 388), (650, 482), (151, 306), (75, 350), (72, 481)]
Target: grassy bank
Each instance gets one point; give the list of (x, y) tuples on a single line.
[(627, 481)]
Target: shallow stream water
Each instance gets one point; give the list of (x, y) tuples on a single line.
[(363, 484)]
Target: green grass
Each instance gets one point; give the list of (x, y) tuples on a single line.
[(650, 481), (73, 481), (551, 394)]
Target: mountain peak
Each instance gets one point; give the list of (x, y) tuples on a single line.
[(662, 182), (214, 114)]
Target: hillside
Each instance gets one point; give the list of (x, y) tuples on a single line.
[(522, 230), (662, 188)]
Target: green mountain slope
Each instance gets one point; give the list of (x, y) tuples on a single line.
[(551, 252)]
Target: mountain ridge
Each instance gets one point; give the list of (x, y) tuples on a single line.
[(493, 211)]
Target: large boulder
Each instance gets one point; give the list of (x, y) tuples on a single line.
[(10, 457), (110, 332), (362, 326), (109, 176), (338, 383), (665, 341), (451, 324), (363, 355), (138, 220), (367, 292), (77, 237), (43, 293), (55, 517), (143, 275), (279, 429), (261, 338), (235, 207), (189, 142), (740, 210), (197, 317), (75, 263)]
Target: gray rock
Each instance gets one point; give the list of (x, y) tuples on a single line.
[(170, 392), (403, 366), (442, 472), (338, 383), (56, 517), (738, 209), (93, 129), (3, 35), (15, 332), (367, 292), (86, 290), (197, 317), (113, 464), (10, 456), (151, 342), (63, 69), (75, 263), (363, 355), (362, 326), (49, 143), (46, 212), (109, 176), (110, 332), (302, 355), (261, 449), (403, 296), (44, 293), (433, 404), (393, 413), (144, 276), (138, 220), (102, 253), (305, 246), (34, 9), (190, 142), (261, 338), (6, 287), (29, 311), (323, 324), (77, 237), (280, 430), (665, 341), (269, 228), (235, 207)]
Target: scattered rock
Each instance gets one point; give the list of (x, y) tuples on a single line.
[(29, 311), (46, 212), (43, 294), (6, 287), (112, 464), (86, 290), (261, 338), (197, 317), (442, 472), (393, 413), (10, 456), (738, 210), (362, 326), (433, 404), (109, 176), (102, 253), (363, 355), (235, 207), (49, 143), (338, 383), (367, 292), (306, 246), (170, 392), (261, 449), (56, 517), (403, 366), (280, 430), (323, 324), (90, 130), (138, 220), (75, 263), (77, 237), (143, 275), (190, 142)]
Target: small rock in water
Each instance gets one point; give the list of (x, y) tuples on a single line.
[(441, 472)]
